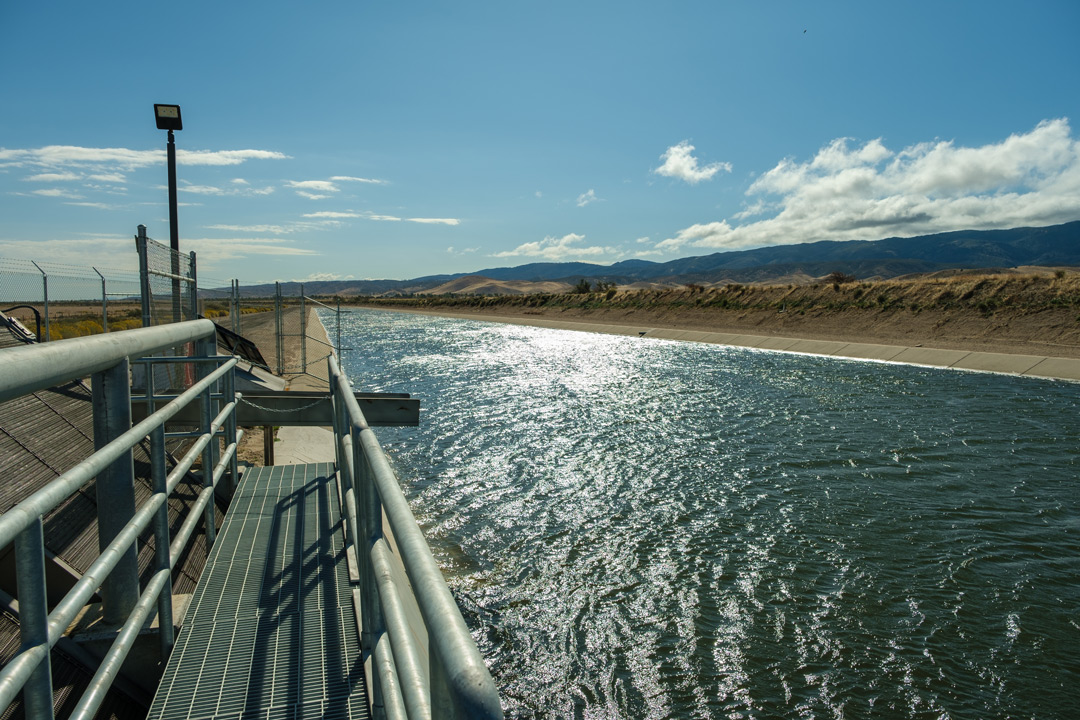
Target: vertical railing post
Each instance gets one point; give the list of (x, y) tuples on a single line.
[(104, 302), (159, 477), (230, 430), (370, 530), (162, 561), (34, 617), (111, 394), (303, 332), (44, 299), (144, 275), (209, 453)]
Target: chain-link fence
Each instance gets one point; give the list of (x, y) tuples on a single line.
[(57, 301), (60, 301)]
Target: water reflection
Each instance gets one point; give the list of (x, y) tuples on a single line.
[(640, 528)]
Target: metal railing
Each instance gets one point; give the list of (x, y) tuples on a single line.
[(106, 358), (454, 682)]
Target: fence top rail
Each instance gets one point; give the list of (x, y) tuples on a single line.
[(35, 367)]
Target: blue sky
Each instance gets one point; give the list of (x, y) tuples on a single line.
[(340, 140)]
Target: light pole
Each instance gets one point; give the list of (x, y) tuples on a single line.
[(168, 118)]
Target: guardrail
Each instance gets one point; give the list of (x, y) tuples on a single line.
[(107, 359), (455, 682)]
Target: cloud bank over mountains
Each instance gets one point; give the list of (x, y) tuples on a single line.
[(860, 192), (848, 190)]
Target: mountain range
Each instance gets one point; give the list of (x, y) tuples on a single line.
[(1057, 245)]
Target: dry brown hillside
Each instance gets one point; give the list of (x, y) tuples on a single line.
[(1035, 311)]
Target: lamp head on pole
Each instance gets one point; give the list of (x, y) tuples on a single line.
[(168, 117)]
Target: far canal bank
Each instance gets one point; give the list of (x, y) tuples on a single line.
[(1009, 363)]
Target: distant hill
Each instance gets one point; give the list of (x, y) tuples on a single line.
[(480, 285), (1057, 245)]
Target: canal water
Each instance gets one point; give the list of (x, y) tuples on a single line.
[(638, 528)]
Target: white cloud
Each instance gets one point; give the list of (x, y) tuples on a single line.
[(311, 195), (225, 157), (332, 214), (272, 229), (54, 177), (215, 250), (56, 156), (463, 251), (100, 251), (322, 186), (869, 191), (436, 221), (680, 164), (108, 177), (57, 192), (556, 249), (347, 178), (324, 277), (586, 197)]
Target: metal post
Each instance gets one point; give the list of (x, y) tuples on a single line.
[(268, 445), (115, 488), (278, 328), (193, 288), (236, 306), (144, 275), (174, 227), (209, 453), (34, 616), (159, 477), (230, 431), (370, 522), (104, 302), (162, 561), (45, 298), (303, 332), (338, 316)]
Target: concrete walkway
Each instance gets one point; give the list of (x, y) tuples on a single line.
[(304, 445)]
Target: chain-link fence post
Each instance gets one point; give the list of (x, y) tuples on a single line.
[(144, 275), (279, 329), (45, 298), (234, 306), (193, 288), (104, 302), (303, 332)]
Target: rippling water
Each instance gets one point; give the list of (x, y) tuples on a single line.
[(641, 528)]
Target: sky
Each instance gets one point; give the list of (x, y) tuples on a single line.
[(370, 139)]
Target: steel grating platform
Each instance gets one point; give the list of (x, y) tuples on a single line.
[(271, 631)]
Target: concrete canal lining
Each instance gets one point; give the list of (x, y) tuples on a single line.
[(1054, 368)]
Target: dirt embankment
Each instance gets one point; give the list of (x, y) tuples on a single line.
[(1036, 313)]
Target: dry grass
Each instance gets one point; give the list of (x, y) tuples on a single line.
[(981, 293)]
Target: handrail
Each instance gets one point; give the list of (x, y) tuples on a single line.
[(31, 368), (459, 684), (35, 367)]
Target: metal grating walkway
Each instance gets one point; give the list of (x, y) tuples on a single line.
[(271, 631)]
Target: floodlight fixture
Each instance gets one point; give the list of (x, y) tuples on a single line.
[(168, 117)]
